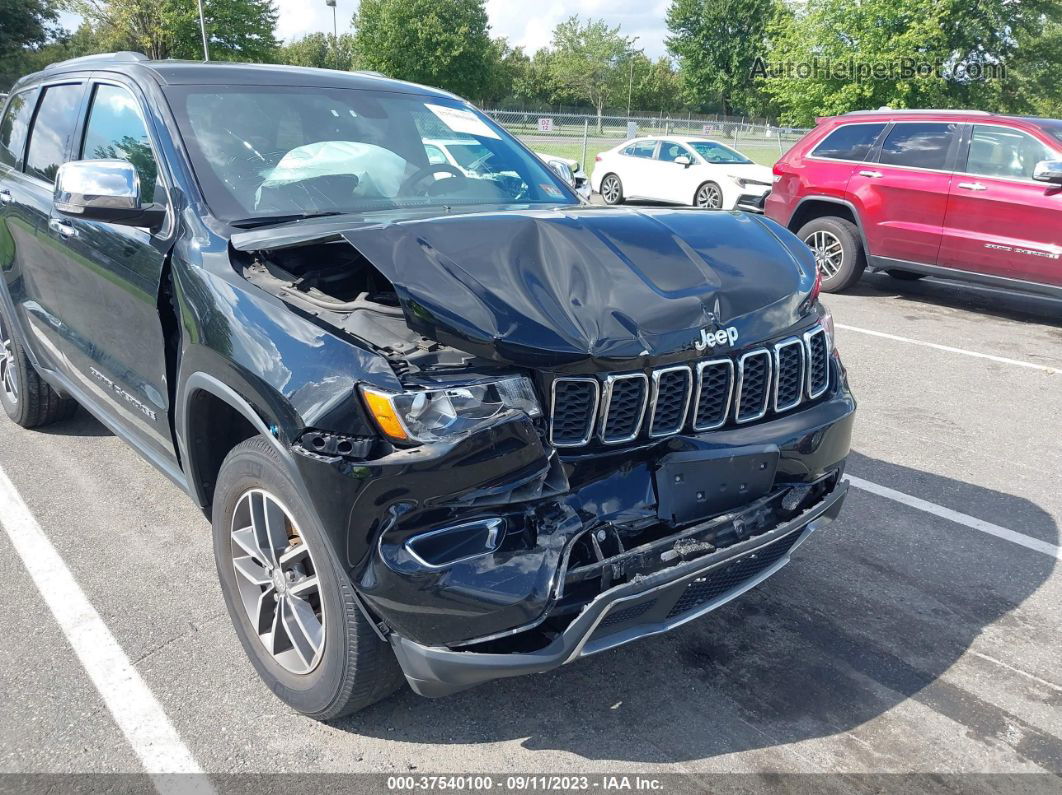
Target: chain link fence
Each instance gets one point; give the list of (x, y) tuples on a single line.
[(581, 136)]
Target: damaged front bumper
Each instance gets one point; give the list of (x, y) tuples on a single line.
[(645, 606)]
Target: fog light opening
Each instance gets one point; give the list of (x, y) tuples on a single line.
[(449, 545)]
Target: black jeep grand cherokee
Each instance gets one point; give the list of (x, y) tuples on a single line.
[(447, 421)]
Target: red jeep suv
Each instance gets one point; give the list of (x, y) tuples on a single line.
[(962, 194)]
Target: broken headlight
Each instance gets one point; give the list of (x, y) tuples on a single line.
[(434, 415)]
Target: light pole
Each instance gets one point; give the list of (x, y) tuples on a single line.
[(335, 25), (202, 29)]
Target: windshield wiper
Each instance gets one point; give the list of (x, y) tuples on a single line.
[(266, 220)]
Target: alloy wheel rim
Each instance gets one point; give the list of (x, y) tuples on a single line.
[(277, 582), (829, 253), (8, 371), (610, 190), (709, 197)]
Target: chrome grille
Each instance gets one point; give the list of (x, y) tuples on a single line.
[(671, 400), (622, 407), (715, 385), (788, 374), (753, 385), (818, 350)]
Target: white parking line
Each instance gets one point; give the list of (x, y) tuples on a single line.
[(130, 701), (950, 349), (959, 518)]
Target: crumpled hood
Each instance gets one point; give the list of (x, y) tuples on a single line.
[(553, 287)]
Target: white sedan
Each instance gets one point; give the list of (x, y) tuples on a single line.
[(681, 170)]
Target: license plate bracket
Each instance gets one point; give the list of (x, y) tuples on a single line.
[(696, 484)]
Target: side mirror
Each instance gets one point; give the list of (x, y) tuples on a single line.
[(104, 190), (1048, 171), (684, 161)]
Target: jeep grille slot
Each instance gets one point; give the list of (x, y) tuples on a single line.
[(671, 399), (616, 408), (572, 411), (753, 385), (789, 374), (623, 407), (715, 385), (818, 347)]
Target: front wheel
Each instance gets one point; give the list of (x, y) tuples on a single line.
[(838, 251), (709, 196), (612, 189), (292, 604)]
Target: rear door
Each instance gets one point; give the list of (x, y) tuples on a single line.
[(106, 277), (636, 168), (903, 196), (999, 221)]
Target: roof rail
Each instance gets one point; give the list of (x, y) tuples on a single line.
[(916, 110), (104, 57)]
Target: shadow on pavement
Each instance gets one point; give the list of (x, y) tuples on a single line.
[(956, 295), (871, 612)]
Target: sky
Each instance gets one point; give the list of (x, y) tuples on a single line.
[(510, 18)]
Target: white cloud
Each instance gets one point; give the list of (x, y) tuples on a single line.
[(509, 18)]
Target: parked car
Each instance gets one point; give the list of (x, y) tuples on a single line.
[(960, 194), (681, 170), (445, 430), (476, 160)]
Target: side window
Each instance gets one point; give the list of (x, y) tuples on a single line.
[(641, 149), (435, 155), (670, 151), (849, 142), (52, 128), (918, 145), (1003, 152), (13, 128), (115, 131)]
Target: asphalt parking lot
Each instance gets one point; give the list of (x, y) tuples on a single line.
[(919, 633)]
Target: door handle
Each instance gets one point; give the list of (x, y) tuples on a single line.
[(871, 174), (63, 230), (5, 197), (971, 186)]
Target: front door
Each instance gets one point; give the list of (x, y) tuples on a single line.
[(1001, 222)]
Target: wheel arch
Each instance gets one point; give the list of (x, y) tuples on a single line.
[(812, 207), (213, 419)]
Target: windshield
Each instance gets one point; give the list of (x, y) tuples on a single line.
[(717, 153), (270, 151)]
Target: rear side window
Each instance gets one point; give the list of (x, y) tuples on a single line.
[(13, 128), (1004, 152), (115, 131), (849, 142), (641, 149), (52, 129), (918, 145)]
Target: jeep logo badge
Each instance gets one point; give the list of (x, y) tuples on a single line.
[(709, 339)]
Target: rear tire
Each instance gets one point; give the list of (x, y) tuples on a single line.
[(331, 662), (839, 254), (612, 189), (905, 276), (26, 397)]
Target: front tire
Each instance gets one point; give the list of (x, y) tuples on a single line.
[(709, 196), (291, 602), (612, 189), (26, 397), (838, 251)]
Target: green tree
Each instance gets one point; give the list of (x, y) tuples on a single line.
[(240, 30), (443, 43), (587, 62), (25, 27), (657, 86), (533, 83), (717, 43), (322, 50), (924, 54)]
